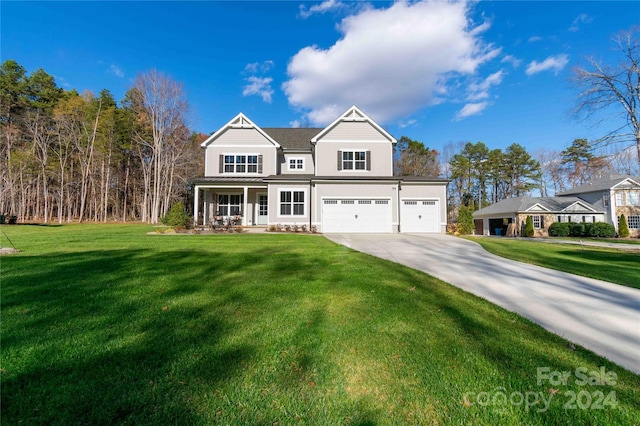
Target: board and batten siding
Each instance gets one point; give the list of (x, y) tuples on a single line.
[(240, 141)]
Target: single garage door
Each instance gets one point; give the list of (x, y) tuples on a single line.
[(356, 215), (419, 216)]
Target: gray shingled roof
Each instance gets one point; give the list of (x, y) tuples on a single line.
[(292, 138), (522, 204), (601, 184)]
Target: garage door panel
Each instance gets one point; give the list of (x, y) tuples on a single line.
[(419, 216), (356, 215)]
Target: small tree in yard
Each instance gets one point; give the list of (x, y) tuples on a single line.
[(623, 228), (465, 220), (177, 216), (528, 227)]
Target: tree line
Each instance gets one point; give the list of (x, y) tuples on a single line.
[(68, 156)]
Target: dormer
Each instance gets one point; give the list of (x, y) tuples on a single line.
[(354, 145)]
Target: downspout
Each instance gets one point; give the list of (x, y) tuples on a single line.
[(398, 202), (310, 204)]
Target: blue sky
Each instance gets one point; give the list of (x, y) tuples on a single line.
[(497, 72)]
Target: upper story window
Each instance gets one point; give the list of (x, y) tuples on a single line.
[(354, 160), (296, 163), (628, 198), (240, 163)]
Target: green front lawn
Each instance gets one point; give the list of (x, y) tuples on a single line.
[(605, 264), (104, 324)]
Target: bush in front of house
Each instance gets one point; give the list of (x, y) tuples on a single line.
[(465, 220), (559, 229), (623, 227), (528, 227), (176, 216), (577, 229), (601, 230)]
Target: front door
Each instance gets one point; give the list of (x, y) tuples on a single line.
[(263, 209)]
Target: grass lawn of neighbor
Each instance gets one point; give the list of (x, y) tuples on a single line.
[(105, 324), (605, 264)]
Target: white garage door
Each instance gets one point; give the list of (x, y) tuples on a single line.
[(356, 215), (419, 216)]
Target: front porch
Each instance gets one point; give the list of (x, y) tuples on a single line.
[(230, 204)]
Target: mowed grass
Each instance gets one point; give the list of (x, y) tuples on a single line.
[(616, 266), (103, 324)]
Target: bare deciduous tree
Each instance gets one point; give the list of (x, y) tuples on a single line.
[(604, 88)]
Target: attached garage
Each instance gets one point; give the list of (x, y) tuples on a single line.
[(420, 216), (356, 215)]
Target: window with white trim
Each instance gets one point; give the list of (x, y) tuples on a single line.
[(292, 203), (241, 163), (296, 163), (229, 204), (619, 199), (633, 198), (355, 160), (633, 222), (538, 222)]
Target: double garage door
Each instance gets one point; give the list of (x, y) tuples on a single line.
[(356, 215), (362, 215)]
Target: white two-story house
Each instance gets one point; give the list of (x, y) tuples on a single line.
[(336, 179)]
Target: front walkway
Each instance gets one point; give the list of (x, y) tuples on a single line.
[(598, 315)]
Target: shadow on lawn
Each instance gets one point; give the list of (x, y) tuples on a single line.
[(119, 336)]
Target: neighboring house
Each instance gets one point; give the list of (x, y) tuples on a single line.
[(601, 200), (336, 179)]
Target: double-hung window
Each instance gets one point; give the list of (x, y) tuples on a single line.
[(633, 198), (229, 204), (292, 203), (240, 163), (354, 160), (538, 222)]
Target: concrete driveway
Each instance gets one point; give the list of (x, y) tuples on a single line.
[(598, 315)]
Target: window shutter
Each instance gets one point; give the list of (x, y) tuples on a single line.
[(221, 163), (259, 163), (339, 160), (368, 159), (541, 222)]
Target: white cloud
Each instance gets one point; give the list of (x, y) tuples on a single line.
[(407, 123), (510, 59), (477, 91), (259, 86), (295, 124), (583, 18), (390, 62), (471, 109), (554, 63), (259, 67), (115, 70), (325, 6), (533, 39)]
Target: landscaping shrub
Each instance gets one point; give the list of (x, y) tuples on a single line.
[(576, 229), (623, 227), (465, 220), (177, 216), (559, 229), (602, 230), (528, 227)]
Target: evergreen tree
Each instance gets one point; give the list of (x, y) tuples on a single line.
[(465, 220), (623, 228), (528, 227)]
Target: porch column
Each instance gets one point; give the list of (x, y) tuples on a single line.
[(245, 207), (195, 205)]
